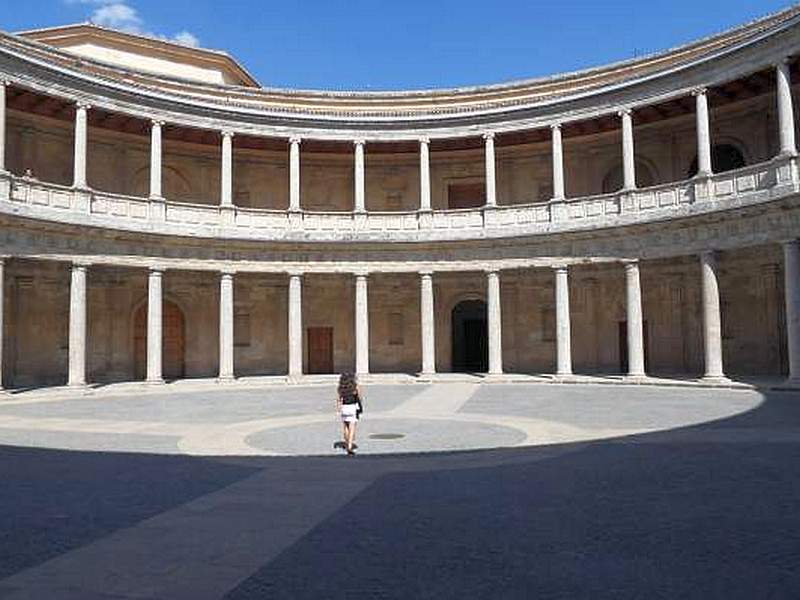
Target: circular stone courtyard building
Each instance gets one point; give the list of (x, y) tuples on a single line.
[(165, 217)]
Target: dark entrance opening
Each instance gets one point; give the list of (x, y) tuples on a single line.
[(470, 337), (724, 157)]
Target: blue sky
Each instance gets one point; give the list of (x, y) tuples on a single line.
[(382, 44)]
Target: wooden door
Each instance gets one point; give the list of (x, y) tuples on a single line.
[(173, 340), (320, 350)]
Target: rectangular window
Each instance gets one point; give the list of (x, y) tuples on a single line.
[(396, 329), (241, 329), (466, 195), (548, 324)]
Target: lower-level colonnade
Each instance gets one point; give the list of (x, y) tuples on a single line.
[(689, 316)]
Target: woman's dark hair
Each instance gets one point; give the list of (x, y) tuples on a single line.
[(347, 384)]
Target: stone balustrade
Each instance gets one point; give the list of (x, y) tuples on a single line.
[(753, 184)]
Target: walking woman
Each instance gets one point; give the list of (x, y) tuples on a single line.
[(348, 405)]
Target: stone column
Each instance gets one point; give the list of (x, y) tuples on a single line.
[(77, 326), (633, 299), (494, 323), (712, 322), (427, 320), (155, 159), (358, 165), (226, 195), (294, 174), (791, 273), (491, 184), (785, 111), (226, 371), (558, 163), (3, 85), (81, 139), (563, 334), (628, 161), (154, 326), (424, 174), (295, 325), (703, 134), (362, 326)]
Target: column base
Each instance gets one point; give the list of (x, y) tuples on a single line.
[(159, 381), (226, 379), (635, 378), (714, 379), (790, 383), (567, 377)]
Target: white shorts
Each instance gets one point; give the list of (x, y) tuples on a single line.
[(349, 413)]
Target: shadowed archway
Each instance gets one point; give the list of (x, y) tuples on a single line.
[(470, 338)]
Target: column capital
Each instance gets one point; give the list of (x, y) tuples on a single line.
[(424, 139), (295, 273), (81, 105), (157, 122), (227, 273), (156, 271), (426, 273), (80, 265), (359, 142), (227, 133), (489, 135), (630, 262), (701, 91), (492, 272), (555, 126), (560, 268), (5, 82), (624, 112), (708, 254), (786, 60), (295, 139), (361, 274), (790, 242)]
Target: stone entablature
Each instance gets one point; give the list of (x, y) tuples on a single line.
[(752, 185)]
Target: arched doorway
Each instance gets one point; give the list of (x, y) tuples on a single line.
[(174, 341), (613, 180), (724, 157), (470, 338)]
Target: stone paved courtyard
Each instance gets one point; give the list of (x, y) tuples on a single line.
[(559, 492)]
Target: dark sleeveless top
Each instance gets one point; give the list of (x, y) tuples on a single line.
[(350, 398)]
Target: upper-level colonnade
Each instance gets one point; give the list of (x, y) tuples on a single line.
[(786, 132), (557, 118)]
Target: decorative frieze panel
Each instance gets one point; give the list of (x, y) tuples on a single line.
[(749, 186)]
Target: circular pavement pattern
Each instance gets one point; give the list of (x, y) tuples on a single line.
[(213, 420)]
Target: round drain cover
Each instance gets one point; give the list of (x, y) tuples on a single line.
[(386, 436)]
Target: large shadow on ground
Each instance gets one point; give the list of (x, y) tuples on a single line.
[(708, 511)]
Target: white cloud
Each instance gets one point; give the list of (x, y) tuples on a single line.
[(119, 14), (186, 38)]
